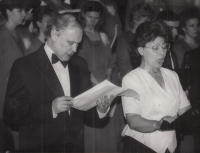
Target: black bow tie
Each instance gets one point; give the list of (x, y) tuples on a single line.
[(55, 59)]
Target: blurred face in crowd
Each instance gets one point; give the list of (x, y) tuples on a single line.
[(43, 24), (91, 19), (174, 27), (154, 52), (138, 19), (16, 16), (192, 28), (65, 42)]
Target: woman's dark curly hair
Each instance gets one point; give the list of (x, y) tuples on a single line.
[(93, 6), (149, 31), (145, 33)]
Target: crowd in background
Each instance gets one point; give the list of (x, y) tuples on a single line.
[(109, 28)]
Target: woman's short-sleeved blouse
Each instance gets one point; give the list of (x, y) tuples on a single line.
[(155, 103)]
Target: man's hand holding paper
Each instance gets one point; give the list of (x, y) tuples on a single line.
[(62, 104), (104, 103), (87, 100)]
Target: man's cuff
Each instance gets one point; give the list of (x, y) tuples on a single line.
[(102, 115), (54, 114)]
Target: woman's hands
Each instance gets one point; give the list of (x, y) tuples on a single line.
[(138, 123), (169, 119), (104, 103)]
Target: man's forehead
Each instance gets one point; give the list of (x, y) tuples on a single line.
[(172, 23), (73, 34), (73, 28), (70, 30)]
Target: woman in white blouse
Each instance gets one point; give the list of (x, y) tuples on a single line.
[(161, 94)]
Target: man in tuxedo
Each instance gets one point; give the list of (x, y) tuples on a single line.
[(39, 100), (172, 20)]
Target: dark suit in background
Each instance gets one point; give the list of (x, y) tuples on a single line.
[(191, 66), (192, 59), (171, 56)]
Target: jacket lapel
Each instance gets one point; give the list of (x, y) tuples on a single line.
[(44, 66), (74, 76)]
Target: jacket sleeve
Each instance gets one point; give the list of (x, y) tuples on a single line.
[(92, 119), (18, 109)]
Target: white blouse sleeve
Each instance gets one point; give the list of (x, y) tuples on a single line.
[(130, 105)]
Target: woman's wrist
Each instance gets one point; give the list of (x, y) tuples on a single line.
[(157, 124)]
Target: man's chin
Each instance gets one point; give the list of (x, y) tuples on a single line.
[(66, 58)]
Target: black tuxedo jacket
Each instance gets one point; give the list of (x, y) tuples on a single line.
[(192, 59), (32, 87), (191, 63)]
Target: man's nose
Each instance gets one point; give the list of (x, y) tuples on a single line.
[(74, 47)]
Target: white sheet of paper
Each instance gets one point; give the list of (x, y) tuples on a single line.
[(87, 100)]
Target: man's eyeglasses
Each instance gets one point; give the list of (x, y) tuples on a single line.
[(155, 48)]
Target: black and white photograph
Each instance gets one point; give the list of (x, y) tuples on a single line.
[(100, 76)]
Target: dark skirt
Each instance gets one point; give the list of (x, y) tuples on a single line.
[(133, 146)]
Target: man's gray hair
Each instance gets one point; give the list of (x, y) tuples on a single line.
[(62, 22)]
